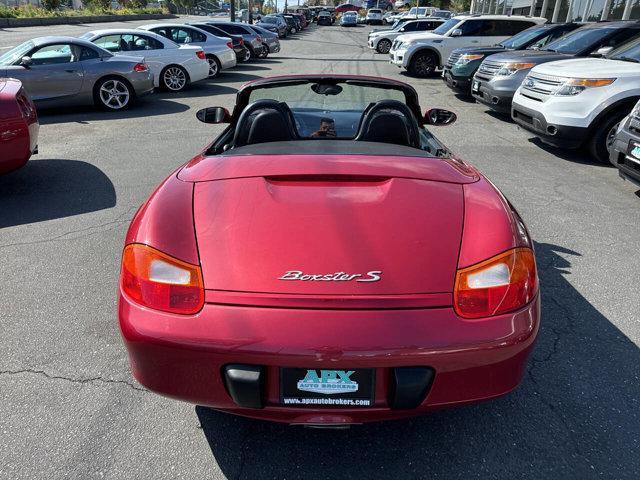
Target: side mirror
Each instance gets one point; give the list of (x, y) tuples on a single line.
[(214, 115), (602, 51), (456, 33), (26, 62), (439, 117)]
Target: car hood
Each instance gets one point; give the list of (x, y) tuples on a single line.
[(479, 50), (420, 37), (264, 222), (590, 67), (529, 56)]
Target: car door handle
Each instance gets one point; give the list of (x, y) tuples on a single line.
[(71, 70)]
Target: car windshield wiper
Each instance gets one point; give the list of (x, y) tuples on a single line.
[(627, 59)]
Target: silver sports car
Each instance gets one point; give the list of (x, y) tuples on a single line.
[(69, 71)]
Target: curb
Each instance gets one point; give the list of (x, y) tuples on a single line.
[(35, 22)]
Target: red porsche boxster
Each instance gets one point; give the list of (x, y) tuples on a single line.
[(327, 261)]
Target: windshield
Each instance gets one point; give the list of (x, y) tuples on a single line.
[(579, 40), (349, 14), (629, 52), (333, 109), (16, 53), (269, 20), (446, 26), (523, 38)]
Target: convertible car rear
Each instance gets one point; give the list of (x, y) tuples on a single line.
[(326, 261)]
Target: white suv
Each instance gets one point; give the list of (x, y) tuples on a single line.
[(580, 102), (374, 15), (381, 41), (422, 53)]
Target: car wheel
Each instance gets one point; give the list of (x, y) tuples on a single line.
[(604, 135), (423, 64), (214, 66), (174, 78), (113, 93), (383, 46), (265, 51), (294, 31), (247, 55)]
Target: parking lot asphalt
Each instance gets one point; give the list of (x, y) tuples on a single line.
[(69, 407)]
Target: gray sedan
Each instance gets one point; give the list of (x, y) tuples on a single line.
[(270, 42), (58, 71)]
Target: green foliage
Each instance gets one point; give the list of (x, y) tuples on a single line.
[(29, 11), (50, 4)]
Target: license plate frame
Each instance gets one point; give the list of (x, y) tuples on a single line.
[(475, 87), (299, 388)]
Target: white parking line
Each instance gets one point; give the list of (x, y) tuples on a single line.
[(6, 48)]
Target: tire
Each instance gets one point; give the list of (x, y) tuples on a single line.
[(423, 64), (174, 78), (265, 51), (383, 46), (214, 66), (247, 56), (603, 136), (113, 94), (294, 30)]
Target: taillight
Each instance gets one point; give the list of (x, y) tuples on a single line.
[(502, 284), (157, 280), (27, 108), (140, 67), (230, 44), (200, 54)]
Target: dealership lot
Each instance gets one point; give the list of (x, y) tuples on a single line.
[(70, 407)]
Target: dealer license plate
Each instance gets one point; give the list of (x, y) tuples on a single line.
[(302, 387)]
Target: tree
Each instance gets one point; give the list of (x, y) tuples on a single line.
[(50, 4)]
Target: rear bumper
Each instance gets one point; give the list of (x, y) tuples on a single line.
[(561, 136), (142, 83), (183, 357)]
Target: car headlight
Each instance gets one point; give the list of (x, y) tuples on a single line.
[(467, 58), (574, 86), (510, 68)]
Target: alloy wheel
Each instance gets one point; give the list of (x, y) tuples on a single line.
[(611, 135), (424, 65), (114, 94), (213, 66), (175, 79), (384, 46)]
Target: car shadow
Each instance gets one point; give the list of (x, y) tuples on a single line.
[(146, 107), (580, 156), (48, 189), (575, 414), (209, 87), (230, 76), (249, 66)]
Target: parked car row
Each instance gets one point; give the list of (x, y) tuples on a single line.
[(572, 85), (569, 84), (285, 24), (112, 67)]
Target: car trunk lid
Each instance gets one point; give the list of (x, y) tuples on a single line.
[(323, 232)]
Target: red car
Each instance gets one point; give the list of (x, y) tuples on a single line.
[(346, 7), (18, 126), (327, 261)]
